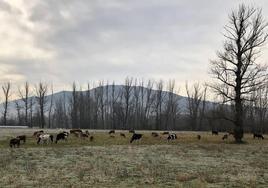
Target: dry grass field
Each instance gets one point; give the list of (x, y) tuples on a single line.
[(151, 162)]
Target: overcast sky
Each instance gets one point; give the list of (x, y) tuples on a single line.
[(62, 41)]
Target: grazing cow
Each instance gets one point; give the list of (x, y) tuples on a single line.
[(45, 138), (61, 136), (225, 137), (135, 137), (172, 136), (154, 134), (37, 133), (215, 132), (83, 135), (166, 132), (123, 135), (199, 137), (22, 138), (257, 135), (14, 142), (73, 131), (112, 132), (91, 138), (131, 131)]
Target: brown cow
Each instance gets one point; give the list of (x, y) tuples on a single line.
[(22, 138)]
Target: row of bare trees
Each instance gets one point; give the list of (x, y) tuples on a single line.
[(134, 105)]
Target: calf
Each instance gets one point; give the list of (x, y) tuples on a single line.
[(154, 134), (111, 132), (199, 137), (22, 138), (14, 142), (135, 137), (172, 136), (215, 132), (123, 135), (257, 135), (225, 137)]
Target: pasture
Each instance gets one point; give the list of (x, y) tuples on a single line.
[(151, 162)]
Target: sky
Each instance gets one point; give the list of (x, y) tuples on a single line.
[(85, 41)]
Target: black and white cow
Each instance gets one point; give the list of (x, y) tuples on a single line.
[(135, 136)]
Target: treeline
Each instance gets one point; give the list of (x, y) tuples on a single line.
[(134, 105)]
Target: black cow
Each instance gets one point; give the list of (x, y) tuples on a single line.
[(198, 137), (61, 136), (14, 142), (172, 136), (112, 132), (22, 138), (135, 137), (257, 135), (91, 138), (215, 132)]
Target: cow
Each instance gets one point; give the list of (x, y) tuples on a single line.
[(199, 137), (73, 131), (123, 135), (135, 136), (214, 132), (91, 138), (257, 135), (83, 135), (87, 132), (22, 138), (45, 138), (14, 142), (111, 132), (154, 134), (166, 132), (61, 136), (172, 136), (37, 133), (225, 137)]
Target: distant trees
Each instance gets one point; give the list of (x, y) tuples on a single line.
[(236, 70), (24, 96)]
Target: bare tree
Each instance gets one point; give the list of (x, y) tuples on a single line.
[(6, 90), (236, 70), (159, 104), (41, 92), (18, 109), (24, 95), (194, 100), (74, 107), (127, 89), (50, 121)]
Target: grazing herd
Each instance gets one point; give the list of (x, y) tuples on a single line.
[(45, 138)]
